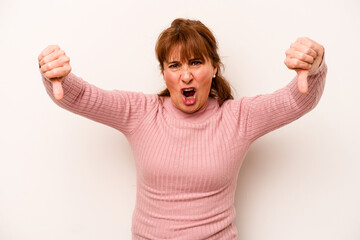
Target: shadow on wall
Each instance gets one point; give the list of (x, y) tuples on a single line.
[(258, 171)]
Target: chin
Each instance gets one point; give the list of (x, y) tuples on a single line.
[(191, 109), (187, 108)]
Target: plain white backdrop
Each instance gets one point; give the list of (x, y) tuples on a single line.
[(65, 177)]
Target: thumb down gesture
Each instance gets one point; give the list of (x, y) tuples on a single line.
[(304, 56), (54, 64)]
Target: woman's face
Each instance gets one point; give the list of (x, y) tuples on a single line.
[(188, 82)]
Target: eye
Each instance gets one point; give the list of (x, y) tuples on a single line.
[(196, 62), (174, 65)]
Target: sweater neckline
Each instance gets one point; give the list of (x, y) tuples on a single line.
[(197, 117)]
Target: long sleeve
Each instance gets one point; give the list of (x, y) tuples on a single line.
[(118, 109), (261, 114)]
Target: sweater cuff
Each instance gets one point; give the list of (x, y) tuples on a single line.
[(70, 83), (321, 68)]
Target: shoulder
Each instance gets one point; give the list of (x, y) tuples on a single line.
[(231, 104)]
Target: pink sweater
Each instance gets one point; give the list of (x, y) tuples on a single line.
[(187, 164)]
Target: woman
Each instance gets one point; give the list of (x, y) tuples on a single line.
[(188, 141)]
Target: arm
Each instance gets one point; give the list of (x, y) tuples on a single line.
[(264, 113), (261, 114), (118, 109)]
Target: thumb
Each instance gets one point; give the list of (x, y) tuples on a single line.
[(58, 91), (302, 81)]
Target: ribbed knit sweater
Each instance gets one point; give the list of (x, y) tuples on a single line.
[(187, 164)]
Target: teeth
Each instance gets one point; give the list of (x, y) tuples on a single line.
[(188, 89)]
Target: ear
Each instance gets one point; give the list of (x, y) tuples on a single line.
[(214, 71)]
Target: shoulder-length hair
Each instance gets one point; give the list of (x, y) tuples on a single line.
[(194, 39)]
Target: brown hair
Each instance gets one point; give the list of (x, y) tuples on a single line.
[(194, 40)]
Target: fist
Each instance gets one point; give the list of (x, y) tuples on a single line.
[(54, 64), (304, 56)]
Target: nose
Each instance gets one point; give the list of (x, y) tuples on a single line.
[(186, 75)]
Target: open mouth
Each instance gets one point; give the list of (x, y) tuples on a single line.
[(188, 92), (189, 95)]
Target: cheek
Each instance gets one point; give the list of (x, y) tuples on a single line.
[(204, 79), (170, 80)]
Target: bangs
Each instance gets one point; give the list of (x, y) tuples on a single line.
[(185, 50), (182, 45)]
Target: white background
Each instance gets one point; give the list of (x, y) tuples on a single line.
[(65, 177)]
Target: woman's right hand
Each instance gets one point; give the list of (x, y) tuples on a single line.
[(55, 66)]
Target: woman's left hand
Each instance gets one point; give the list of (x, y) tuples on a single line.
[(304, 56)]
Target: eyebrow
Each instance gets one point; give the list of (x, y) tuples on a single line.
[(192, 59), (172, 62), (195, 59)]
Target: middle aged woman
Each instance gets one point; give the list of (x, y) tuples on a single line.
[(190, 140)]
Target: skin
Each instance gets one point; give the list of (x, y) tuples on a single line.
[(192, 73), (304, 56), (55, 66)]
